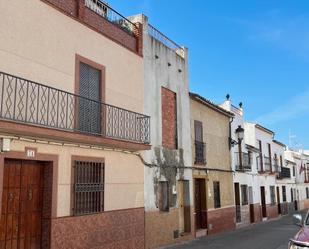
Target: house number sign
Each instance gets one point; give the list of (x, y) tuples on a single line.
[(30, 153)]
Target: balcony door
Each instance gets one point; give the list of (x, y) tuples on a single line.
[(89, 115)]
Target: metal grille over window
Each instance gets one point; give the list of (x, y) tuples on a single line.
[(217, 199), (272, 195), (244, 194), (88, 187), (284, 193)]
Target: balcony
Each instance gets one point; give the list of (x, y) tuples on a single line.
[(243, 161), (111, 15), (27, 102), (200, 153), (156, 34), (285, 173)]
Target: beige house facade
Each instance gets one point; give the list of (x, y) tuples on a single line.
[(212, 175), (72, 127)]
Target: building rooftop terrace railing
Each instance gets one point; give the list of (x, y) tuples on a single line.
[(104, 10), (28, 102), (159, 36)]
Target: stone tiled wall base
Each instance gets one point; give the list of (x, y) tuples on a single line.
[(301, 205), (272, 211), (245, 216), (257, 213), (221, 220), (306, 203), (284, 208), (291, 207), (123, 229), (160, 227)]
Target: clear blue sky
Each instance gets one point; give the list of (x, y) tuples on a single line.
[(257, 51)]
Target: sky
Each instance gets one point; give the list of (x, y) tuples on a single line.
[(255, 50)]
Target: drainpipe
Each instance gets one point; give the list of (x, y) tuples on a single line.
[(230, 132)]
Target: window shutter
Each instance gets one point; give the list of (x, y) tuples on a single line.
[(90, 106), (198, 129)]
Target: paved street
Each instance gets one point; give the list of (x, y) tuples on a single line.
[(273, 234)]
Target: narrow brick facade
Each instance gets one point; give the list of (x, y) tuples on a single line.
[(169, 118)]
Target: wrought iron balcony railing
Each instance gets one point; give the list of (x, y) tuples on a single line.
[(111, 15), (284, 173), (243, 161), (33, 103), (159, 36), (200, 153)]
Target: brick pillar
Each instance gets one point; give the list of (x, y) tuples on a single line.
[(139, 37), (80, 9)]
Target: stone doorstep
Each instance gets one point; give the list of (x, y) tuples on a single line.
[(201, 233)]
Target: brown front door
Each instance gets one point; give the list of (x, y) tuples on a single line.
[(278, 200), (263, 202), (200, 204), (21, 211), (237, 203), (252, 214)]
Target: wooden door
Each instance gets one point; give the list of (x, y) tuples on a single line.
[(20, 226), (184, 206), (200, 204), (237, 202), (278, 200), (251, 203), (263, 202)]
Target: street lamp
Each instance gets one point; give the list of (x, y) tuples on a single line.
[(240, 133)]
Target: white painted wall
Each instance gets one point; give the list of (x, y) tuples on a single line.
[(249, 178), (157, 74)]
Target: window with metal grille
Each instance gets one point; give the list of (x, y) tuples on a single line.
[(217, 200), (88, 187), (272, 195), (244, 194), (89, 103), (284, 193)]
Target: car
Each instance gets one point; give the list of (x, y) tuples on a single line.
[(301, 239)]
